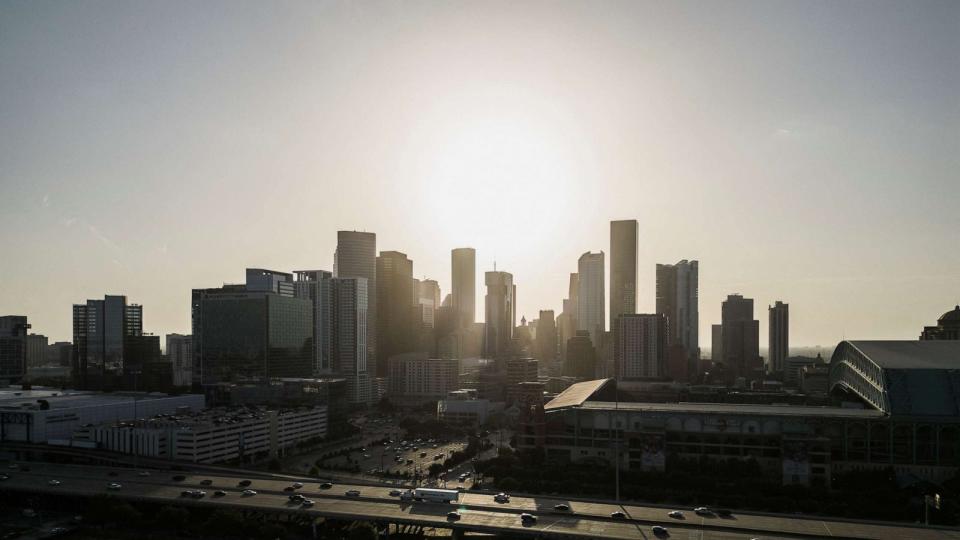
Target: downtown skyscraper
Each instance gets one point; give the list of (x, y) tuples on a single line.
[(316, 286), (590, 296), (463, 262), (778, 337), (501, 314), (101, 345), (678, 300), (740, 338), (356, 257), (623, 268), (395, 300), (640, 347)]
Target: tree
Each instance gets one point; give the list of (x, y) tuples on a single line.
[(508, 484), (173, 517), (362, 530)]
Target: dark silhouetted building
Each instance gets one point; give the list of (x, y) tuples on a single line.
[(317, 287), (948, 327), (464, 290), (101, 329), (678, 299), (36, 350), (180, 355), (546, 340), (581, 359), (640, 346), (741, 339), (13, 347), (501, 314), (779, 337), (623, 268), (395, 301)]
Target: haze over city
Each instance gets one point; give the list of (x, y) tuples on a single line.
[(799, 151)]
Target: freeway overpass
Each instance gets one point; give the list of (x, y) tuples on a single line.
[(480, 513)]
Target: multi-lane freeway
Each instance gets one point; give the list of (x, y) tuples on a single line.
[(478, 512)]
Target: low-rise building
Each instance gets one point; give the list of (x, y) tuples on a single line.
[(415, 376), (463, 407), (43, 414), (212, 436)]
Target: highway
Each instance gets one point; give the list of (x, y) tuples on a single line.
[(479, 511)]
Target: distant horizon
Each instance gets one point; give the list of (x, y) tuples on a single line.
[(800, 151)]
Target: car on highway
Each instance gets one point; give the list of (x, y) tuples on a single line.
[(353, 493), (326, 485), (453, 516), (296, 497), (54, 483), (297, 485), (724, 513), (143, 473), (395, 492), (306, 503), (13, 466), (219, 493), (114, 486), (676, 514), (618, 515), (244, 483), (289, 488), (561, 507), (501, 498), (4, 477), (249, 493), (660, 531), (206, 482), (528, 518), (703, 511)]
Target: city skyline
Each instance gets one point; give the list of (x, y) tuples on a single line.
[(145, 156)]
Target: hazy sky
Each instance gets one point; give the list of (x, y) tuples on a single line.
[(804, 151)]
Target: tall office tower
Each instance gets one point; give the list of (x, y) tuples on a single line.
[(464, 295), (36, 350), (581, 359), (779, 337), (180, 357), (500, 314), (567, 321), (716, 343), (640, 346), (350, 298), (590, 309), (547, 341), (263, 280), (741, 339), (315, 286), (395, 308), (101, 332), (241, 334), (356, 257), (13, 347), (427, 295), (677, 298), (623, 268)]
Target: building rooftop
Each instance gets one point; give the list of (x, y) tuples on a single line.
[(16, 399), (576, 394), (736, 408), (933, 354)]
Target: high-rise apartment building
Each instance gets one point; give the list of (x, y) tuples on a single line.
[(501, 314), (350, 298), (356, 257), (102, 352), (590, 296), (779, 337), (180, 356), (395, 301), (623, 268), (641, 346), (741, 339), (464, 295), (13, 347), (316, 287), (416, 376), (677, 299)]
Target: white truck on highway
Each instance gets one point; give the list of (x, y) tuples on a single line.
[(431, 495)]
